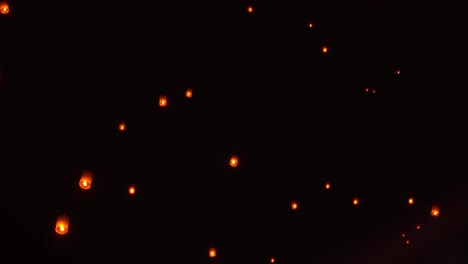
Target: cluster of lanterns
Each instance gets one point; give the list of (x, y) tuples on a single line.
[(86, 180)]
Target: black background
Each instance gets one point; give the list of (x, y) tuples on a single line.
[(262, 90)]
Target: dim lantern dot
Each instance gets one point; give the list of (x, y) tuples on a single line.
[(418, 227), (4, 8), (131, 190), (327, 185), (410, 200), (435, 211), (355, 201), (294, 205), (250, 9), (122, 126), (397, 72), (188, 93), (407, 241), (162, 100), (272, 260), (234, 161), (61, 226), (310, 25), (374, 91), (212, 252), (403, 235), (324, 49)]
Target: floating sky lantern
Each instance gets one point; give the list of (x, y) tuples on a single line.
[(61, 226), (162, 100), (122, 126), (327, 186), (324, 49), (212, 252), (4, 8), (397, 72), (410, 201), (435, 211), (272, 260), (250, 9), (86, 180), (294, 205), (234, 161), (188, 93), (355, 201), (131, 190)]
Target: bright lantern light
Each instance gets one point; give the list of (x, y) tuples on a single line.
[(234, 161), (212, 252), (4, 8), (61, 226)]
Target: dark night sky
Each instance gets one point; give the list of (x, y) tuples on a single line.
[(262, 90)]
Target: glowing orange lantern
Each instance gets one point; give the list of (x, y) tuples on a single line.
[(418, 227), (410, 200), (374, 91), (4, 8), (61, 227), (212, 252), (355, 201), (366, 90), (250, 9), (188, 93), (234, 161), (131, 190), (162, 100), (122, 126), (407, 241), (294, 205), (310, 25), (435, 211), (398, 72), (403, 235), (86, 180), (327, 185), (272, 260), (324, 49)]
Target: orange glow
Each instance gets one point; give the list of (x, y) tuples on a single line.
[(61, 226), (250, 9), (4, 8), (294, 205), (403, 235), (324, 49), (234, 161), (212, 252), (355, 201), (411, 200), (272, 260), (407, 241), (188, 93), (435, 211), (131, 190), (398, 72), (327, 186), (374, 91), (162, 100), (310, 25), (366, 90), (86, 180), (418, 227), (122, 126)]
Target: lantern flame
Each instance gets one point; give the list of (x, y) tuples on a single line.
[(4, 8), (86, 180)]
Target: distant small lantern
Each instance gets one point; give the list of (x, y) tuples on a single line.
[(162, 100), (212, 252), (324, 49), (410, 200), (234, 161), (131, 190), (61, 226), (272, 260), (188, 93), (86, 180), (355, 201), (250, 9), (435, 211), (397, 72), (418, 227), (294, 205), (374, 91), (310, 25), (366, 90), (403, 235), (327, 185), (122, 126), (4, 8)]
